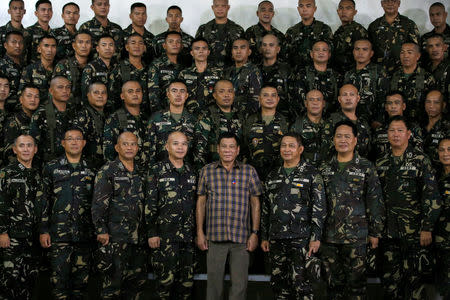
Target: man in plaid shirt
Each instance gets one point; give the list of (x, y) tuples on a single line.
[(228, 196)]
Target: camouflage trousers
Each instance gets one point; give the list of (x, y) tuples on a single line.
[(405, 266), (345, 270), (123, 267), (173, 264), (443, 269), (70, 266), (18, 270), (288, 277)]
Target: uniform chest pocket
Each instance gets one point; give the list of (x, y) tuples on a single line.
[(122, 186)]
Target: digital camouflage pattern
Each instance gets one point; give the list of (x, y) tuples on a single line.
[(34, 34), (160, 125), (14, 72), (160, 74), (316, 138), (343, 39), (64, 39), (220, 38), (15, 125), (300, 39), (38, 76), (184, 56), (200, 87), (261, 142), (95, 28), (254, 34), (387, 40), (247, 82)]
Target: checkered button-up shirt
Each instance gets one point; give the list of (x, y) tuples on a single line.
[(228, 194)]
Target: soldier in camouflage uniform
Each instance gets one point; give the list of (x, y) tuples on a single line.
[(11, 65), (246, 78), (19, 123), (314, 129), (254, 34), (40, 73), (262, 132), (371, 81), (100, 25), (16, 10), (318, 76), (412, 80), (438, 17), (345, 36), (389, 32), (413, 204), (174, 118), (200, 78), (300, 37), (44, 13), (65, 35), (437, 127), (394, 106), (174, 18), (4, 92), (18, 187), (100, 69), (138, 17), (356, 215), (276, 72), (163, 70), (72, 67), (348, 100), (91, 119), (64, 212), (49, 123), (442, 230), (220, 33), (117, 213), (131, 67), (127, 118), (438, 66), (170, 221), (293, 214), (217, 118)]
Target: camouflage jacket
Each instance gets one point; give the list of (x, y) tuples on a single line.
[(149, 54), (48, 127), (309, 78), (414, 87), (72, 70), (381, 145), (160, 125), (220, 38), (445, 34), (372, 83), (432, 138), (7, 28), (317, 138), (92, 122), (34, 34), (355, 203), (387, 40), (343, 39), (121, 121), (64, 201), (294, 205), (14, 72), (64, 39), (15, 125), (442, 230), (160, 73), (363, 145), (300, 38), (200, 87), (94, 71), (184, 56), (118, 203), (254, 34), (40, 77), (18, 188), (95, 28), (261, 142), (411, 194), (441, 74), (247, 82), (278, 75), (170, 202), (210, 125)]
